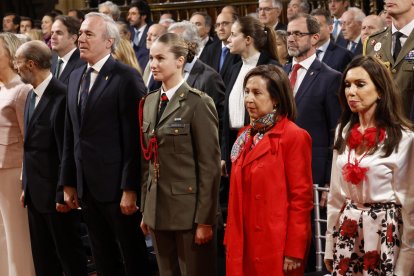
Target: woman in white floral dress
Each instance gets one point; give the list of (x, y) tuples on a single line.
[(371, 202)]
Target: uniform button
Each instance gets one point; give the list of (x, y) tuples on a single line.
[(176, 131), (258, 197), (190, 189), (153, 131), (394, 71)]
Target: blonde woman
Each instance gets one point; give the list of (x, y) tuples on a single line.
[(15, 249), (125, 54)]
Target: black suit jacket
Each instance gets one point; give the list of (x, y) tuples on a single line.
[(141, 51), (43, 145), (102, 151), (73, 63), (202, 55), (337, 57), (213, 56), (318, 109), (341, 41), (280, 26), (226, 142)]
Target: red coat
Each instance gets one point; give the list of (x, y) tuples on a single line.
[(270, 202)]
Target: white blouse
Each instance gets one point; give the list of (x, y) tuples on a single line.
[(389, 179)]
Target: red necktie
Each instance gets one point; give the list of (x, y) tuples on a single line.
[(294, 75)]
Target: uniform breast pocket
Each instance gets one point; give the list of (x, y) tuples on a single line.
[(180, 134)]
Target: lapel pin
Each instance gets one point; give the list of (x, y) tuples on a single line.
[(377, 46), (311, 73), (181, 95), (106, 78)]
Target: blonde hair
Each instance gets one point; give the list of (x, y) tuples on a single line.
[(10, 44), (35, 34), (125, 54)]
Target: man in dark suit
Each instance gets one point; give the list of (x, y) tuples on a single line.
[(327, 51), (337, 9), (139, 18), (315, 87), (351, 29), (55, 237), (218, 55), (269, 14), (101, 150), (203, 22), (64, 38)]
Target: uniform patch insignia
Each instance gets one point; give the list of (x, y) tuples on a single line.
[(377, 46)]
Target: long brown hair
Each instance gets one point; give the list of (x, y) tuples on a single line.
[(388, 113)]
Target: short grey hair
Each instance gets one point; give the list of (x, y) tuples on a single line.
[(358, 14), (190, 32), (115, 11), (112, 30), (275, 3)]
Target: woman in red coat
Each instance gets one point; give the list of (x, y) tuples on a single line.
[(268, 224)]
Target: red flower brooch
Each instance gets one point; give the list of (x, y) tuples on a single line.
[(352, 172)]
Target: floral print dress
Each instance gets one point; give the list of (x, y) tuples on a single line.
[(371, 224)]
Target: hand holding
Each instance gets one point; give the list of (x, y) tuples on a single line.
[(291, 263)]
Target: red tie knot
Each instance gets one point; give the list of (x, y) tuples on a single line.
[(164, 97)]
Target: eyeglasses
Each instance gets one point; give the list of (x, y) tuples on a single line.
[(223, 24), (297, 34), (266, 9)]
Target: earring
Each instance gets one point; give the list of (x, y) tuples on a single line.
[(274, 108)]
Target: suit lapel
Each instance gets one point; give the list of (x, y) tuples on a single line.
[(308, 80), (408, 46), (73, 92), (329, 52), (174, 103), (98, 88), (194, 73), (70, 65)]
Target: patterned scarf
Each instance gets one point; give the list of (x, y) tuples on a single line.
[(257, 129)]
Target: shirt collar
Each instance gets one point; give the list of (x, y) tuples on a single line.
[(66, 57), (98, 66), (189, 65), (251, 60), (141, 29), (170, 92), (324, 46), (40, 89), (406, 30), (305, 63)]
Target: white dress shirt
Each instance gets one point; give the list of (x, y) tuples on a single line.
[(40, 89), (171, 92), (406, 31), (388, 180), (306, 64), (65, 60), (236, 97)]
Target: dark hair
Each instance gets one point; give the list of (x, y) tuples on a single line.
[(178, 46), (278, 86), (311, 23), (38, 52), (79, 14), (143, 8), (324, 13), (52, 14), (16, 17), (25, 18), (72, 24), (264, 37), (388, 113), (207, 18)]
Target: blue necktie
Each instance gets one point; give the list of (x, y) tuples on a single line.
[(32, 104), (335, 29), (353, 47), (224, 52), (136, 40), (84, 92)]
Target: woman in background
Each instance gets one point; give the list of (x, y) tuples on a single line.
[(15, 249), (125, 54)]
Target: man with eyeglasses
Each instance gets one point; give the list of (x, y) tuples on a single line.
[(395, 48), (269, 12), (337, 9), (218, 55), (314, 86)]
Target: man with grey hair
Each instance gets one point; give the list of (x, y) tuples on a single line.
[(198, 74), (110, 9), (269, 12), (101, 156), (54, 228), (295, 7), (351, 22), (372, 24)]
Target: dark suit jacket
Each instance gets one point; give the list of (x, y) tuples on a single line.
[(226, 142), (337, 57), (141, 50), (318, 113), (280, 26), (341, 41), (213, 56), (73, 63), (202, 55), (43, 145), (205, 79), (102, 150)]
